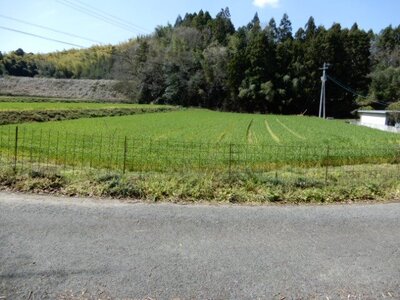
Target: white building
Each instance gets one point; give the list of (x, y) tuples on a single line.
[(378, 119)]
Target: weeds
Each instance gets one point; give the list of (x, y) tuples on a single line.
[(261, 188)]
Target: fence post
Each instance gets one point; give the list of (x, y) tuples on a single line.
[(199, 157), (91, 152), (57, 145), (65, 150), (397, 161), (125, 153), (74, 153), (48, 151), (327, 164), (230, 159), (23, 145), (16, 149)]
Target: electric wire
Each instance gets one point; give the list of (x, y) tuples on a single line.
[(92, 14), (41, 37), (98, 16), (49, 29), (350, 90), (112, 16)]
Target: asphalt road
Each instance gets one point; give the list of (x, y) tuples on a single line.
[(84, 249)]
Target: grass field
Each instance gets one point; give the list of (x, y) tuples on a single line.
[(198, 139)]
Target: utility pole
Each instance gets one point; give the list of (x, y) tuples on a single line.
[(322, 102)]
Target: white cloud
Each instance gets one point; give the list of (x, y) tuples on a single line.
[(264, 3)]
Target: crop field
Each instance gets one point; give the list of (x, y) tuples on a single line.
[(198, 139), (17, 110), (203, 126), (28, 106)]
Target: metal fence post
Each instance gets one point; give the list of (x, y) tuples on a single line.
[(91, 152), (397, 161), (230, 159), (23, 146), (327, 164), (100, 146), (16, 149), (65, 150), (48, 151), (57, 145), (73, 156), (125, 154)]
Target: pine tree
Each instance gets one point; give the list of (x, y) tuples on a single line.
[(285, 29), (178, 21), (222, 26), (310, 29), (272, 30)]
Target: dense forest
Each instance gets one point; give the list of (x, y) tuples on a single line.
[(204, 61)]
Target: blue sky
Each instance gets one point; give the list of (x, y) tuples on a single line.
[(369, 14)]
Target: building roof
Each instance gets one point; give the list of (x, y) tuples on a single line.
[(377, 112)]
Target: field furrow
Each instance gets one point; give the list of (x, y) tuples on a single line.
[(271, 133), (290, 130)]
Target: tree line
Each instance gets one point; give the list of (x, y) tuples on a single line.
[(204, 61), (92, 63)]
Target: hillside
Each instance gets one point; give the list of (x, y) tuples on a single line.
[(85, 89), (204, 61)]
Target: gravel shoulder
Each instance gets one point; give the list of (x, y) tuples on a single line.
[(65, 248)]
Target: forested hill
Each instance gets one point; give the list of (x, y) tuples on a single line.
[(204, 61)]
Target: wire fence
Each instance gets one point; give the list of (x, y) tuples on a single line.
[(54, 150)]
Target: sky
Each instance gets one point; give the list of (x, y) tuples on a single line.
[(144, 16)]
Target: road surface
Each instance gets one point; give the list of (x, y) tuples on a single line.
[(94, 249)]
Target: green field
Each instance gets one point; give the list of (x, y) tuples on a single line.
[(203, 126), (198, 139), (24, 106)]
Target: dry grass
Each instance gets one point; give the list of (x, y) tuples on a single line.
[(63, 88)]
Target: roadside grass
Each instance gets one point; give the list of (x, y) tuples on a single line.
[(289, 186)]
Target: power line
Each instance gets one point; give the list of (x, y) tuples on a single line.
[(41, 37), (350, 90), (97, 15), (112, 16), (49, 29)]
